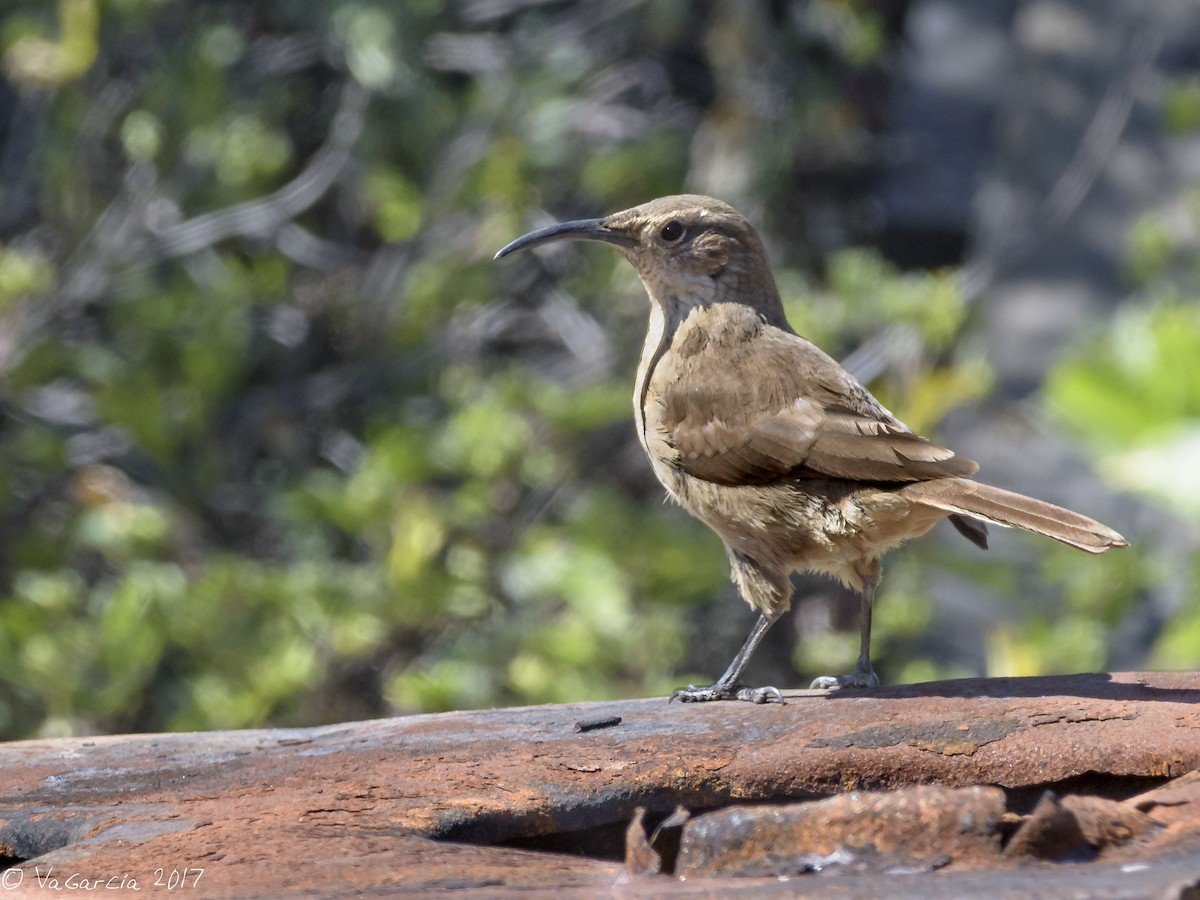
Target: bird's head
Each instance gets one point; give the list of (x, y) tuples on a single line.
[(690, 248)]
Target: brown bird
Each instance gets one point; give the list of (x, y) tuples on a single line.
[(763, 436)]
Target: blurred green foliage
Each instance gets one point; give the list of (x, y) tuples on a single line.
[(280, 444), (1132, 389), (1131, 392)]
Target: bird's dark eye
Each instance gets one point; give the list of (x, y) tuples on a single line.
[(672, 231)]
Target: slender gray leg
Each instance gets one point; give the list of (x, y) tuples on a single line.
[(863, 675), (727, 687)]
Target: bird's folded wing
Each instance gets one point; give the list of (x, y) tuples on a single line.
[(808, 439)]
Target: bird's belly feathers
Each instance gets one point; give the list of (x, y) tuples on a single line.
[(803, 524)]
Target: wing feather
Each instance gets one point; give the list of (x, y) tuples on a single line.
[(804, 417)]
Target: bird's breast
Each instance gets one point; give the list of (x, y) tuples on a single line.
[(665, 320)]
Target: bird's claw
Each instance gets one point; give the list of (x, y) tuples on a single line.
[(856, 679), (765, 694), (693, 694)]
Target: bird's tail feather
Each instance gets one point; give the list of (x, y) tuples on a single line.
[(963, 497)]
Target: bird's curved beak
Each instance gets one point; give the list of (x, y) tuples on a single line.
[(579, 230)]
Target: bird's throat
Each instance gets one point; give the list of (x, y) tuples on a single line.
[(666, 315)]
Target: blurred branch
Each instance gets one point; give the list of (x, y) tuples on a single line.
[(302, 246), (264, 216), (892, 348), (1077, 179), (1105, 129), (897, 343), (126, 232)]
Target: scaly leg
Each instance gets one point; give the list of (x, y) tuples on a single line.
[(863, 675), (727, 687)]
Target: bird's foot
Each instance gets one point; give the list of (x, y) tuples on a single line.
[(693, 694), (858, 679)]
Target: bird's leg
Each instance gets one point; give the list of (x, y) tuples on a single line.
[(727, 687), (863, 675)]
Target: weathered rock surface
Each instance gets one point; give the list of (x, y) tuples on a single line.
[(937, 788)]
